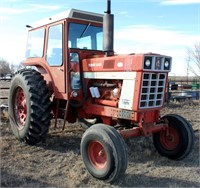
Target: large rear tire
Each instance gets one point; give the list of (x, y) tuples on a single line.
[(104, 152), (178, 142), (29, 106)]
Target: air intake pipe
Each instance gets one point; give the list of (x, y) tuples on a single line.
[(108, 31)]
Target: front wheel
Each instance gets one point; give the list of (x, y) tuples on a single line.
[(104, 152), (176, 142)]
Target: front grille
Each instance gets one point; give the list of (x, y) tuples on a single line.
[(152, 90)]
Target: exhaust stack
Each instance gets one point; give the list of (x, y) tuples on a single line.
[(108, 31)]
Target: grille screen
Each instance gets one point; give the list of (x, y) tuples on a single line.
[(152, 90)]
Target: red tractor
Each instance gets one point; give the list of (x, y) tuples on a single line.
[(78, 77)]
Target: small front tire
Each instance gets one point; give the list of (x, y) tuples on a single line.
[(177, 142), (104, 152)]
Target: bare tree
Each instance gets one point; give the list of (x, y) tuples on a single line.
[(193, 59), (4, 67), (12, 68), (20, 66)]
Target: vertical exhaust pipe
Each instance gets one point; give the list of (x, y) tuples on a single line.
[(108, 31)]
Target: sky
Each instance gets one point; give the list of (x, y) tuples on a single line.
[(167, 27)]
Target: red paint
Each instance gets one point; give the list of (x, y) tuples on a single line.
[(20, 107), (97, 154), (81, 103), (170, 139)]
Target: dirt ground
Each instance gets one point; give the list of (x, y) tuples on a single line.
[(58, 163)]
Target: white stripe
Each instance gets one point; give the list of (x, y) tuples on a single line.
[(110, 75)]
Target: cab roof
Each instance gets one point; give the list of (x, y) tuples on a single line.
[(71, 13)]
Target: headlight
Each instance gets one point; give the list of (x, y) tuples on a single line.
[(166, 64), (74, 94), (147, 63)]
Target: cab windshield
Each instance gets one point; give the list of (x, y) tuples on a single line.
[(85, 36)]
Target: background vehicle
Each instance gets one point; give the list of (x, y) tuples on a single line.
[(114, 96), (7, 77)]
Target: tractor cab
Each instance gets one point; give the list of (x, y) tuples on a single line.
[(57, 45)]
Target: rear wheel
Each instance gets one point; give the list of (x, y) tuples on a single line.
[(104, 152), (177, 142), (29, 106)]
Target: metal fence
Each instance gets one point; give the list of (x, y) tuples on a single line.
[(4, 88)]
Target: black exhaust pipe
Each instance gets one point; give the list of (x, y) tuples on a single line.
[(108, 31)]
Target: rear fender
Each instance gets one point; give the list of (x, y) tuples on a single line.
[(47, 77), (42, 68)]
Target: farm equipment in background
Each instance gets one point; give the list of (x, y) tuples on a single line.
[(114, 96), (7, 77)]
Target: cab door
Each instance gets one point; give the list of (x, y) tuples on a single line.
[(55, 57)]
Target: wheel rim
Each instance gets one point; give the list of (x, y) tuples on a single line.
[(97, 155), (20, 111), (171, 139)]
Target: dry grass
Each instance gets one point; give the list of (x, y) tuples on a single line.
[(58, 163)]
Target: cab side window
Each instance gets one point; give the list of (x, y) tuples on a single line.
[(75, 71), (54, 47), (35, 43)]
